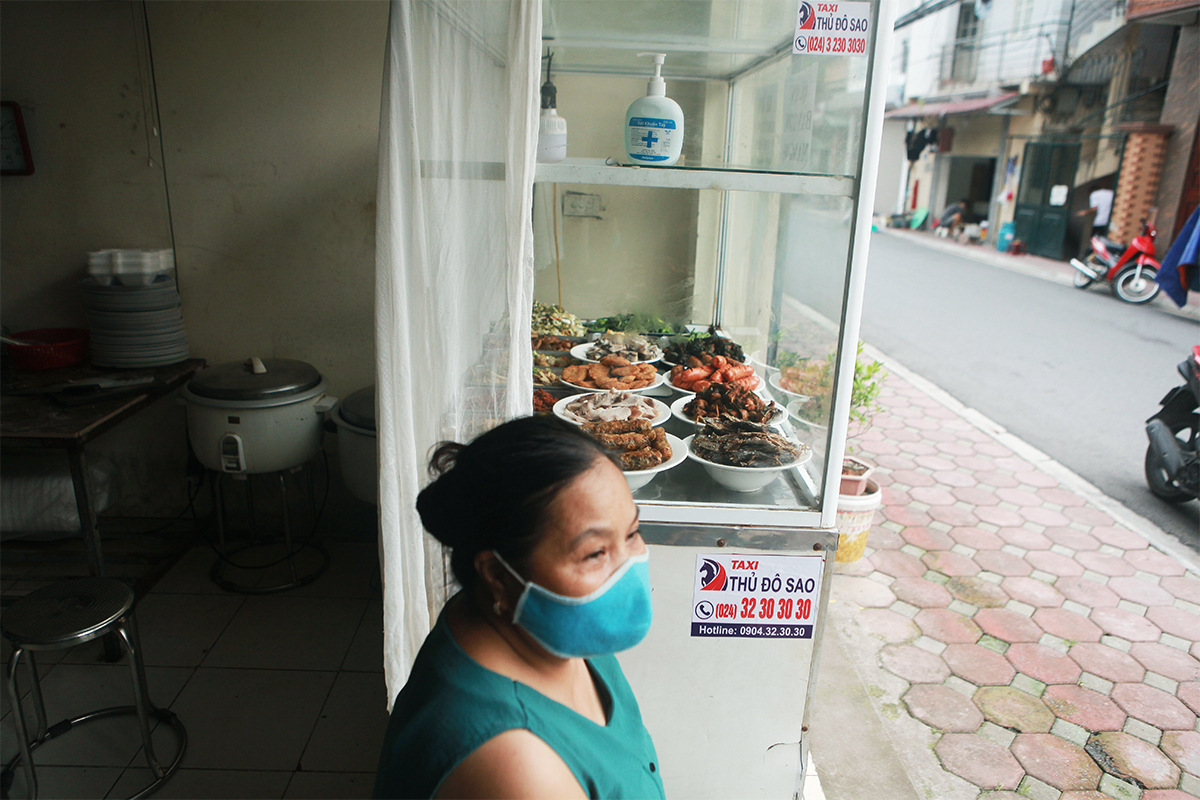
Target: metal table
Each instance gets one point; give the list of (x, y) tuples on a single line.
[(39, 420)]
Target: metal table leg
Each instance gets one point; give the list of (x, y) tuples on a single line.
[(91, 534)]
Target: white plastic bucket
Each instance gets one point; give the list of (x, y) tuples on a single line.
[(854, 515)]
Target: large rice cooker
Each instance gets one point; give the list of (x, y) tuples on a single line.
[(259, 415), (358, 451)]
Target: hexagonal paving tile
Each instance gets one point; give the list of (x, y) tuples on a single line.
[(905, 515), (1125, 624), (1176, 621), (1033, 592), (913, 664), (932, 495), (1084, 707), (975, 496), (1107, 662), (1125, 757), (1155, 794), (1011, 708), (863, 591), (1139, 591), (1087, 592), (921, 593), (1189, 693), (1055, 761), (1069, 537), (978, 665), (1183, 747), (979, 760), (1002, 563), (1043, 516), (995, 515), (927, 538), (1104, 563), (1067, 625), (1062, 497), (1043, 663), (949, 563), (1155, 562), (1119, 537), (1186, 587), (897, 564), (882, 538), (953, 515), (1175, 664), (976, 538), (943, 708), (1153, 706), (888, 625), (1054, 563), (1019, 497), (1090, 794), (1088, 516), (947, 626), (1007, 625), (977, 592), (1024, 538)]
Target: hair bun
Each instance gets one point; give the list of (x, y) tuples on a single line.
[(438, 505)]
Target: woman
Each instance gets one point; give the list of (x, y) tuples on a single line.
[(516, 693)]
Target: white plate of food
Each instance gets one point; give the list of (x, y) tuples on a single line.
[(774, 381), (658, 380), (794, 408), (580, 351), (679, 414), (607, 406), (747, 479)]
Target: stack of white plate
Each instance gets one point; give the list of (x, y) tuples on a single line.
[(135, 326)]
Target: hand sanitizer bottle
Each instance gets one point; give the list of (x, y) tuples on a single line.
[(654, 123)]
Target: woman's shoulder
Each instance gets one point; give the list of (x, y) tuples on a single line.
[(515, 763)]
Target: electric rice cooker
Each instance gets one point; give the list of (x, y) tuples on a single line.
[(358, 451), (259, 415)]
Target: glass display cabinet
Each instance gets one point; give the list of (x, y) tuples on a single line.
[(752, 231)]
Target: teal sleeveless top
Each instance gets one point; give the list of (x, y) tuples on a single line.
[(452, 704)]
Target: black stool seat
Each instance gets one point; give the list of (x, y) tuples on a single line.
[(63, 615), (66, 614)]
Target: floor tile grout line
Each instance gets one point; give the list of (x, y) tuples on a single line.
[(1155, 535)]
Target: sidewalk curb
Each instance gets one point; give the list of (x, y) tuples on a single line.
[(1135, 522), (1013, 264)]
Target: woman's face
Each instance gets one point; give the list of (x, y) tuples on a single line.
[(591, 530)]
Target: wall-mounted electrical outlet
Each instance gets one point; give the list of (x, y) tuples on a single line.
[(578, 204)]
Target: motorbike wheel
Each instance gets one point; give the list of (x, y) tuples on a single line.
[(1092, 260), (1156, 475), (1129, 287)]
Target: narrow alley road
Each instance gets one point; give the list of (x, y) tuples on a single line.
[(1075, 374)]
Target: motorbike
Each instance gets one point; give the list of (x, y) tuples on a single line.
[(1172, 459), (1130, 275)]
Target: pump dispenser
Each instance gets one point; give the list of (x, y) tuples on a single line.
[(654, 123), (552, 129)]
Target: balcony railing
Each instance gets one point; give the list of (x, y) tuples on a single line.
[(1005, 58)]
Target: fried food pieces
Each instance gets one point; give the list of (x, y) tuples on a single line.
[(730, 399), (613, 372), (639, 445), (738, 443)]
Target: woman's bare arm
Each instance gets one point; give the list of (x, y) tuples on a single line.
[(516, 764)]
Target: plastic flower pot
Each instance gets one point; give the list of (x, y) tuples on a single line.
[(854, 515), (855, 473)]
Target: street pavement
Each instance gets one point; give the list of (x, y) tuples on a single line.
[(1011, 632)]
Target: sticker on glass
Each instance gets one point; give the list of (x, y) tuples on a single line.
[(832, 29), (758, 596)]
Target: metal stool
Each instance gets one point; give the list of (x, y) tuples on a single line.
[(295, 577), (63, 615)]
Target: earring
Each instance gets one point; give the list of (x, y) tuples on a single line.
[(497, 609)]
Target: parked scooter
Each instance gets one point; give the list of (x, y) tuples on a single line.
[(1131, 275), (1172, 459)]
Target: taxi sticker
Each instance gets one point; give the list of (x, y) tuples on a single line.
[(761, 596), (832, 29)]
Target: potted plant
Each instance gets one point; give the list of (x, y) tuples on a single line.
[(859, 496)]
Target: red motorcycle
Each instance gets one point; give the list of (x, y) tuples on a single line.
[(1131, 276)]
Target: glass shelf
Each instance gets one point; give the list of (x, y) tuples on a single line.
[(602, 173)]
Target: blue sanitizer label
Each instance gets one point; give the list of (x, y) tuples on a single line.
[(651, 139)]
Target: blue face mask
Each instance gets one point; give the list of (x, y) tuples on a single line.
[(615, 617)]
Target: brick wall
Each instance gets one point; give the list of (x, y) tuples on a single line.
[(1141, 173)]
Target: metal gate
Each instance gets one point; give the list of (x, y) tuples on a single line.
[(1044, 199)]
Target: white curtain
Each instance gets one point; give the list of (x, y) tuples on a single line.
[(454, 267)]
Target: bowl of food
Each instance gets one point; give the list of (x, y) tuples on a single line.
[(744, 456), (634, 348), (644, 451), (775, 381), (611, 406), (734, 400)]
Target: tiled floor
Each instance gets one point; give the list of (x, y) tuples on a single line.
[(282, 695), (1047, 648)]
